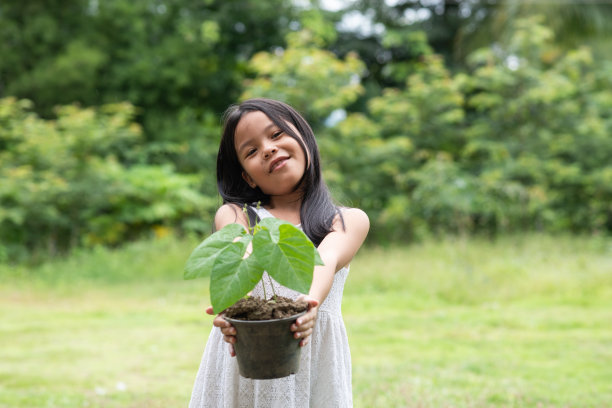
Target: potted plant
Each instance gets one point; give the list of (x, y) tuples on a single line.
[(235, 259)]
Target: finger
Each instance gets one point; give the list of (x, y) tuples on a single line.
[(305, 328), (230, 339), (221, 322), (228, 331), (232, 351), (309, 317), (303, 324), (209, 310), (303, 334)]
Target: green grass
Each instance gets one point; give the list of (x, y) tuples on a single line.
[(523, 321)]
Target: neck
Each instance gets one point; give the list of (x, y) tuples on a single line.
[(286, 207)]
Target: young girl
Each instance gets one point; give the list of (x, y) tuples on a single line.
[(268, 154)]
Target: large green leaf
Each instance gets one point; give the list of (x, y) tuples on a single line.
[(202, 259), (233, 275), (285, 253), (273, 225), (278, 247)]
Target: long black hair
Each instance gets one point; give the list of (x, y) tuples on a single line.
[(317, 210)]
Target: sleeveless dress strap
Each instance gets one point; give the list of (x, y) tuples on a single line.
[(262, 212)]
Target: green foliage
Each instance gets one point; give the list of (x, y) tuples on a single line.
[(278, 247), (407, 128), (66, 182), (516, 137), (521, 140), (159, 55), (312, 80), (455, 29), (181, 63), (537, 121)]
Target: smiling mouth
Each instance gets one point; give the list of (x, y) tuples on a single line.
[(278, 163)]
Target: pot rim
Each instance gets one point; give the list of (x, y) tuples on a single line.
[(293, 317)]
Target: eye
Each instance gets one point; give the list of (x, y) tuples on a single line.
[(250, 152), (277, 134)]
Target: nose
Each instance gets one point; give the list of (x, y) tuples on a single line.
[(269, 151)]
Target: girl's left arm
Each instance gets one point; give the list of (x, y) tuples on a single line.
[(337, 250)]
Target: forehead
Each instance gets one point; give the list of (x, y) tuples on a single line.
[(257, 123), (252, 124)]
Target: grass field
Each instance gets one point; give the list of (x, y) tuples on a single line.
[(522, 321)]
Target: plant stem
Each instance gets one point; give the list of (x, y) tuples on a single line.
[(246, 213), (272, 286), (253, 230)]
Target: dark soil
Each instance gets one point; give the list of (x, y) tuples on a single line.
[(259, 309)]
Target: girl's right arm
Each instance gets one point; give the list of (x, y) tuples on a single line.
[(227, 214)]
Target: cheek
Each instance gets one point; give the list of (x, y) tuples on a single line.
[(305, 153), (248, 168), (244, 168)]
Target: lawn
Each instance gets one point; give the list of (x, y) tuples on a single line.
[(523, 321)]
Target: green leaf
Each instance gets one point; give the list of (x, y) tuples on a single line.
[(233, 275), (278, 247), (286, 253), (202, 259), (272, 225)]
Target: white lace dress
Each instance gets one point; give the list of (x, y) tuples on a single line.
[(324, 377)]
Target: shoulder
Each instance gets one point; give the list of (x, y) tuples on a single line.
[(229, 214), (355, 221)]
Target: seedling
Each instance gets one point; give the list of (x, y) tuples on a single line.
[(278, 247)]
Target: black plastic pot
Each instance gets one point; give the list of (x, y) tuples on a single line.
[(266, 349)]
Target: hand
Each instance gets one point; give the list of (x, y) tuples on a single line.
[(304, 325), (229, 332)]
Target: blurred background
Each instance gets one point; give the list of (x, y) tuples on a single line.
[(432, 116), (476, 134)]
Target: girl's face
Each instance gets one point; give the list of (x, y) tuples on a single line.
[(271, 159)]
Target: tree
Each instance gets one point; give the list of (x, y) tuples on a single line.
[(65, 184), (520, 140), (159, 55), (314, 81), (179, 62), (454, 29)]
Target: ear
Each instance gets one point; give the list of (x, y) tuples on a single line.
[(248, 179)]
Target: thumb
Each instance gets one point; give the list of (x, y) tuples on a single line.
[(312, 302), (209, 310)]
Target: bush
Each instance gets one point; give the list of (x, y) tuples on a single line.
[(73, 181), (522, 140)]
